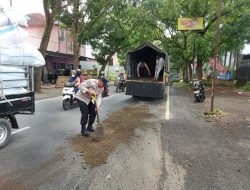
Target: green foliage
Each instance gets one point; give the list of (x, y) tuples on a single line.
[(117, 26), (182, 85), (216, 113), (246, 87), (111, 76)]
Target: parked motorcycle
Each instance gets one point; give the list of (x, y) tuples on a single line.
[(68, 96), (199, 91)]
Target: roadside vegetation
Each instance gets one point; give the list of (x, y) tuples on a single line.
[(117, 26), (246, 87)]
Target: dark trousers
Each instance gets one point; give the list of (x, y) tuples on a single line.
[(88, 114)]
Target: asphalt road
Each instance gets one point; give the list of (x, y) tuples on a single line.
[(179, 151)]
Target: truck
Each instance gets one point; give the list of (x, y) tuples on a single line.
[(146, 87), (17, 61), (16, 97)]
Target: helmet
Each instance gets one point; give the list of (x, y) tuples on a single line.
[(78, 72)]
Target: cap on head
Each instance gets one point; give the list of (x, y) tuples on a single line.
[(103, 79)]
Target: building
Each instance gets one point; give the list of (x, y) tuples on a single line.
[(59, 52)]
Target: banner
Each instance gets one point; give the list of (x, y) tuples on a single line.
[(190, 23)]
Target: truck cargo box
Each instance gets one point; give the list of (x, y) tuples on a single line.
[(145, 86), (148, 89)]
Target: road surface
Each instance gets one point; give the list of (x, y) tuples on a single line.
[(173, 148)]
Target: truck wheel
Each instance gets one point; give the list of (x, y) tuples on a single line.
[(66, 104), (5, 132)]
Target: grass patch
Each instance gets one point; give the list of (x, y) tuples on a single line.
[(216, 113), (246, 87), (182, 85)]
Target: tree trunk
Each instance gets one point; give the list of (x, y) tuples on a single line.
[(105, 64), (199, 69), (186, 72), (43, 50), (230, 60), (75, 34), (50, 18), (190, 72), (225, 58)]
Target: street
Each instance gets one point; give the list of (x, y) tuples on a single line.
[(168, 145)]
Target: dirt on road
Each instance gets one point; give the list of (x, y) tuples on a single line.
[(232, 115), (231, 111), (118, 128)]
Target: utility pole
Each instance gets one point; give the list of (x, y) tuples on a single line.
[(217, 38), (10, 3)]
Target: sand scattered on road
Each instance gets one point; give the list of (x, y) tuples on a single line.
[(118, 128)]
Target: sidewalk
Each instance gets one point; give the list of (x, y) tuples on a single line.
[(48, 91)]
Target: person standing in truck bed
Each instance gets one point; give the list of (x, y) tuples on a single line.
[(143, 70), (159, 66)]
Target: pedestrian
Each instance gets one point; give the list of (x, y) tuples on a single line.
[(159, 66), (87, 90), (143, 70)]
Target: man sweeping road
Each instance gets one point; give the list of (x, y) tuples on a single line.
[(88, 89)]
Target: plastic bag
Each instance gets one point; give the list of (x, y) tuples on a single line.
[(23, 54), (11, 35), (11, 16)]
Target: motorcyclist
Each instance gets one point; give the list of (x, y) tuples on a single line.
[(75, 80), (79, 74), (121, 79)]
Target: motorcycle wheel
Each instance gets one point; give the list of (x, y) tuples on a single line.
[(117, 89), (197, 98), (123, 89), (5, 132), (66, 104), (202, 97)]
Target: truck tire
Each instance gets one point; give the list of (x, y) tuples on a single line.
[(5, 132)]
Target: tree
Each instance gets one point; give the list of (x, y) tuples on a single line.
[(51, 8), (123, 28), (186, 45), (84, 15)]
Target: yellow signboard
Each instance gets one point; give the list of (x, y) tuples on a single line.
[(190, 23)]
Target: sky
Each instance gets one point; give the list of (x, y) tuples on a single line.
[(246, 50), (24, 6)]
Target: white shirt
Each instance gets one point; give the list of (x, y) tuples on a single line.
[(159, 63), (90, 84)]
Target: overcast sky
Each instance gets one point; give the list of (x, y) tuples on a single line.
[(23, 6)]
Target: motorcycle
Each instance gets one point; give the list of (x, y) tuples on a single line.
[(120, 86), (199, 92), (68, 96)]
